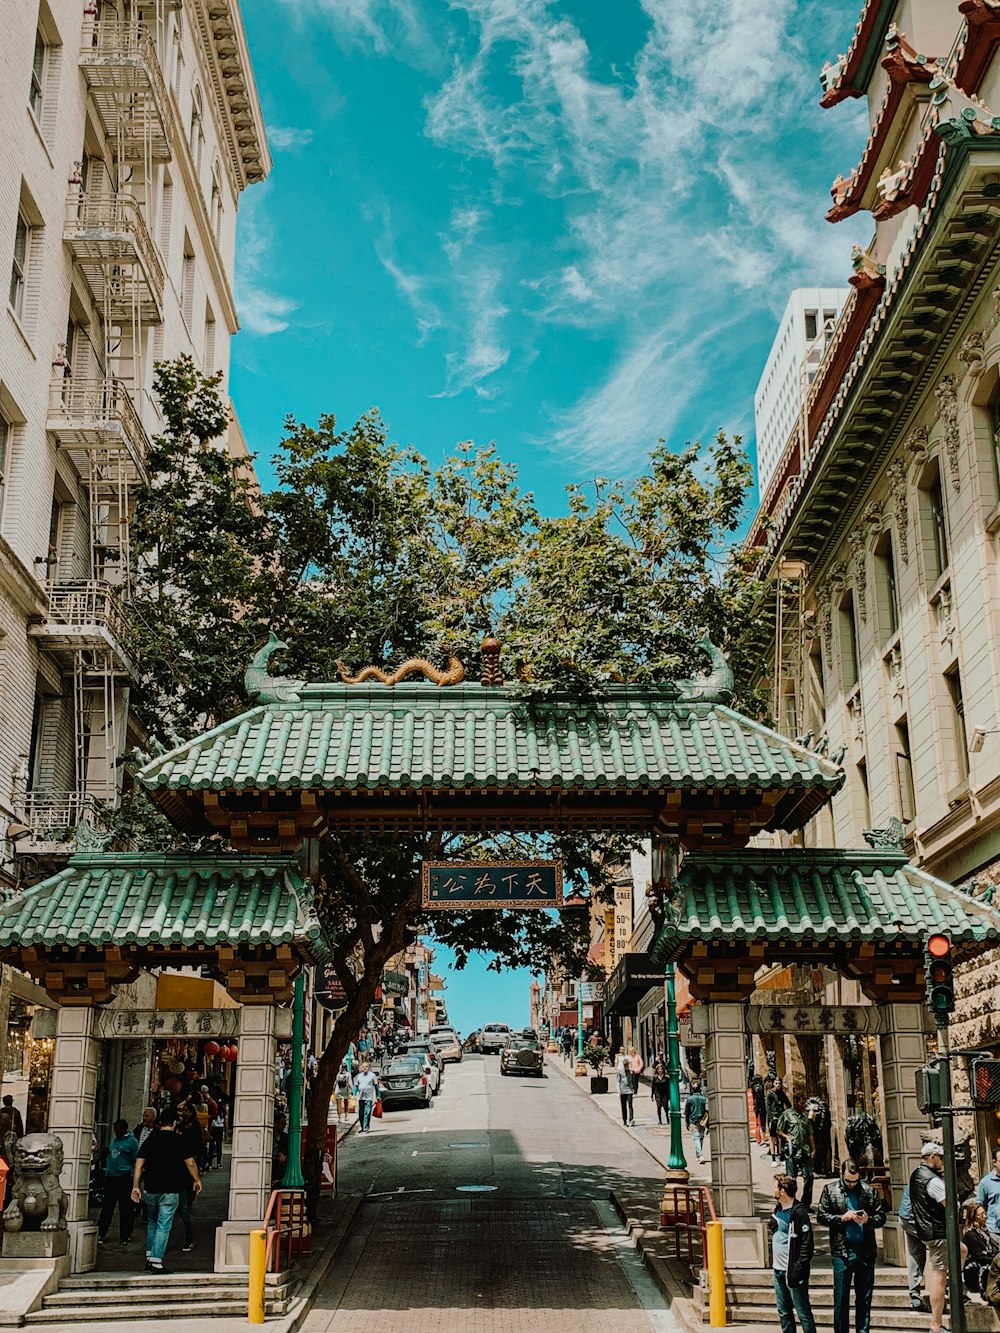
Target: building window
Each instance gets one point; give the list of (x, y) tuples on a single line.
[(6, 431), (811, 328), (954, 683), (866, 800), (215, 209), (196, 136), (209, 359), (187, 284), (904, 773), (19, 265), (888, 592), (850, 661), (934, 525), (37, 88)]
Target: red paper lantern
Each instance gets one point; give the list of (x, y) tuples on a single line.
[(211, 1048), (233, 1053)]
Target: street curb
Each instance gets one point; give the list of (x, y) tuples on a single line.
[(302, 1302)]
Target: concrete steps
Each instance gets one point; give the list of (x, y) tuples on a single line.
[(89, 1299), (750, 1303)]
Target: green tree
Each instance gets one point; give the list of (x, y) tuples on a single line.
[(366, 553)]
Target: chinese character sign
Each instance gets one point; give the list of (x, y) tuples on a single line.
[(470, 884)]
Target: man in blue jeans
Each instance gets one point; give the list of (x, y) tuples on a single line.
[(853, 1211), (792, 1244), (168, 1168)]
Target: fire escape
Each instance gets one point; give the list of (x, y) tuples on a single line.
[(94, 414)]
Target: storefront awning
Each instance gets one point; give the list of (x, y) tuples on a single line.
[(629, 982)]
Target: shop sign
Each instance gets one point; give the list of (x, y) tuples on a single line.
[(478, 884), (329, 988), (686, 1034), (623, 918), (610, 961), (396, 983), (812, 1019), (591, 991), (165, 1024)]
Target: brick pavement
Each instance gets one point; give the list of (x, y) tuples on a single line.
[(479, 1265)]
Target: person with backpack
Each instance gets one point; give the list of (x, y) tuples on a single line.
[(916, 1255), (342, 1092), (696, 1117), (792, 1245)]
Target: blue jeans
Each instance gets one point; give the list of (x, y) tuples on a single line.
[(162, 1208), (792, 1301), (859, 1272), (365, 1108), (800, 1162), (698, 1135)]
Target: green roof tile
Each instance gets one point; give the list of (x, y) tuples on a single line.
[(165, 899), (816, 896), (342, 738)]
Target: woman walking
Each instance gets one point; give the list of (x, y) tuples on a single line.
[(636, 1064), (623, 1074), (342, 1092), (367, 1090), (660, 1084), (118, 1167)]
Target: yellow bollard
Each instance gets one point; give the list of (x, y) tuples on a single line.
[(258, 1267), (716, 1276)]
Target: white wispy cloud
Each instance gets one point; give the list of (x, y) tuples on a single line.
[(285, 137), (413, 289), (261, 310)]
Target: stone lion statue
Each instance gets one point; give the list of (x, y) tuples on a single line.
[(38, 1201)]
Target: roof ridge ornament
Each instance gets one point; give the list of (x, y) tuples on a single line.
[(888, 839), (452, 674), (492, 673), (263, 688), (717, 685)]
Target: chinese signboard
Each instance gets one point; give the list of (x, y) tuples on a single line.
[(812, 1019), (161, 1024), (465, 884)]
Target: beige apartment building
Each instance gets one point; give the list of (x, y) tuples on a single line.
[(881, 528), (130, 131)]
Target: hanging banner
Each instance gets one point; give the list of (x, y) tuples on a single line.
[(479, 884)]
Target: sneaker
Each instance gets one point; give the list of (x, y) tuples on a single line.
[(100, 1240), (154, 1267), (186, 1249)]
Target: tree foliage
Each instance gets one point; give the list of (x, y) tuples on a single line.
[(366, 553)]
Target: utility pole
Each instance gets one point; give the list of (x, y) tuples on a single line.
[(956, 1293)]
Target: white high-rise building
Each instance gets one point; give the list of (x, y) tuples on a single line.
[(130, 131), (796, 352)]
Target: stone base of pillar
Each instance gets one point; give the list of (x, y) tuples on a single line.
[(82, 1246), (744, 1242), (232, 1246), (894, 1243), (25, 1282)]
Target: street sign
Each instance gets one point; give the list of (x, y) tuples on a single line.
[(461, 885), (591, 991)]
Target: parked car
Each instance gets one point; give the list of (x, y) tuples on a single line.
[(493, 1037), (522, 1055), (406, 1079), (446, 1043), (422, 1047), (471, 1042)]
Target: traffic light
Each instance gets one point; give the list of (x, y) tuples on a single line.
[(930, 1088), (938, 968), (984, 1077)]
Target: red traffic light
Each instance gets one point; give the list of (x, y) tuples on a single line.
[(939, 946)]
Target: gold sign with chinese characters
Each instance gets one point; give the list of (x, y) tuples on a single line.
[(812, 1020), (480, 884)]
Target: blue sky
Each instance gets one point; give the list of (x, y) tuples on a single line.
[(566, 225)]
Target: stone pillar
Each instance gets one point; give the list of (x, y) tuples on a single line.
[(253, 1134), (71, 1118), (732, 1171), (903, 1043)]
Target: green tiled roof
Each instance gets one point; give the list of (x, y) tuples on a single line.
[(821, 896), (164, 900), (351, 738)]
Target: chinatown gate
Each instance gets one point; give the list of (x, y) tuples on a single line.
[(377, 753)]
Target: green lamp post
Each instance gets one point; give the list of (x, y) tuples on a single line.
[(677, 1172), (294, 1179)]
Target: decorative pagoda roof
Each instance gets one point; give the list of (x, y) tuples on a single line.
[(106, 914), (849, 74), (874, 909), (411, 756)]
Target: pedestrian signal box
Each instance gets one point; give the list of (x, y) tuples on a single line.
[(930, 1087), (940, 983), (984, 1077)]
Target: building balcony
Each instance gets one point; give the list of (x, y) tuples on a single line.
[(54, 818), (86, 614), (108, 237), (88, 416), (123, 73)]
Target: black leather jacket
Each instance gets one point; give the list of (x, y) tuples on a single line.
[(801, 1243), (832, 1207)]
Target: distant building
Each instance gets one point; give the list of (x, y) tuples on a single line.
[(797, 350)]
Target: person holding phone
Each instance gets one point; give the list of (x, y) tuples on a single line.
[(853, 1211)]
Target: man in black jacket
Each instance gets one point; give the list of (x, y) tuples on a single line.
[(853, 1211), (792, 1243), (927, 1200)]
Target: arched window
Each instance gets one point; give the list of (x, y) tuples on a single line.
[(215, 207), (196, 136)]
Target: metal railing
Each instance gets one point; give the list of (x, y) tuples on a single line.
[(289, 1231), (88, 602), (90, 405), (685, 1212), (52, 815), (125, 49), (107, 214)]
